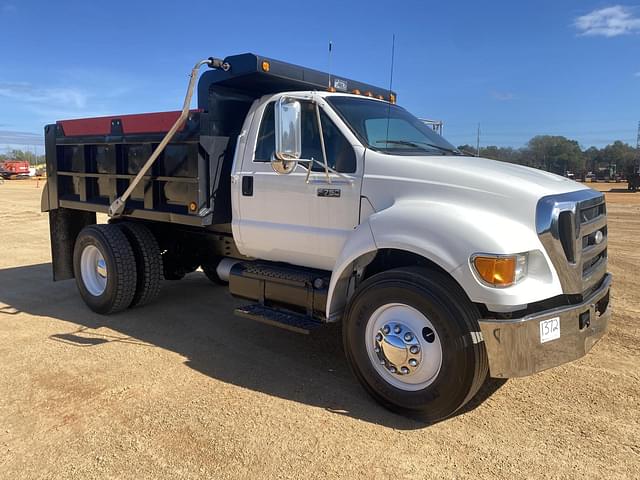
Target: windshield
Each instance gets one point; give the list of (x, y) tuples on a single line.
[(390, 128)]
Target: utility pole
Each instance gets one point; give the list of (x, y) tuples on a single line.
[(478, 142), (636, 167)]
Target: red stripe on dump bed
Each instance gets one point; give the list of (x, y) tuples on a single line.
[(137, 123)]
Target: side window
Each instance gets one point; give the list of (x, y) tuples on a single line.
[(266, 144), (340, 155)]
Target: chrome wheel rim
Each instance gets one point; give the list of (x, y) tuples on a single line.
[(403, 346), (93, 269)]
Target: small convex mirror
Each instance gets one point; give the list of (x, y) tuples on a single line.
[(288, 135)]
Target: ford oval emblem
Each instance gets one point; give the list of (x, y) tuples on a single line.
[(599, 237)]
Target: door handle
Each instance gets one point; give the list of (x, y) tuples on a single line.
[(247, 186)]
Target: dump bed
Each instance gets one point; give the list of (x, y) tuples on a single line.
[(90, 162)]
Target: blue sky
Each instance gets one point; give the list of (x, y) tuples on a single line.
[(519, 68)]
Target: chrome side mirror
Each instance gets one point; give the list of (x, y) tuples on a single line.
[(288, 134)]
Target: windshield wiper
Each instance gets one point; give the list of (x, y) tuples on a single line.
[(418, 144), (453, 151)]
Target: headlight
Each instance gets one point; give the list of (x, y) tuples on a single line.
[(500, 270)]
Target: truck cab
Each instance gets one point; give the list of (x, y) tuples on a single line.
[(321, 200)]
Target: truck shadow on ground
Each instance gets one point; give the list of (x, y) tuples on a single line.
[(195, 319)]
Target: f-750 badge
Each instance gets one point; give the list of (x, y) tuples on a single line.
[(329, 192)]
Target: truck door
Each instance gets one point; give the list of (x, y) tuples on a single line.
[(282, 217)]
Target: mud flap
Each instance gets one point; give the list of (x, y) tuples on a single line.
[(64, 226)]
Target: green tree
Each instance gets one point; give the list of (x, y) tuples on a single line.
[(619, 154), (556, 153)]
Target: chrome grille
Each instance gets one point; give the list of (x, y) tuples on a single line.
[(573, 229)]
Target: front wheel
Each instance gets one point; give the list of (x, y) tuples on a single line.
[(411, 336)]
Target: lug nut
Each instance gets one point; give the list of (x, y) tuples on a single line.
[(413, 362), (404, 370), (379, 337), (408, 337), (376, 349), (386, 330), (397, 329), (392, 369), (414, 349)]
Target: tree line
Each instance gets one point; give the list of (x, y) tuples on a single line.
[(30, 157), (562, 155)]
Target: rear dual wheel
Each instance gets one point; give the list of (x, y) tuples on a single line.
[(148, 262), (117, 266), (410, 337)]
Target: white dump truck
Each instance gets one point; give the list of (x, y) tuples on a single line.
[(319, 199)]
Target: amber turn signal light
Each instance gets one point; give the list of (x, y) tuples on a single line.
[(499, 270)]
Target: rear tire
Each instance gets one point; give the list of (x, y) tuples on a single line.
[(105, 268), (409, 337), (148, 262)]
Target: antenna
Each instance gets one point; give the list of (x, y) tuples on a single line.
[(393, 51), (478, 142), (329, 69)]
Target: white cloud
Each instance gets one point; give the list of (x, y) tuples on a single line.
[(608, 22), (68, 97), (503, 96)]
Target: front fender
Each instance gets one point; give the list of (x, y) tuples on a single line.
[(447, 235)]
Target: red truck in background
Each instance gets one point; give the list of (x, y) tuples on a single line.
[(11, 169)]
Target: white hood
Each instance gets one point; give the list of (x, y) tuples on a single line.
[(499, 187)]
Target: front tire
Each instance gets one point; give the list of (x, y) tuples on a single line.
[(410, 337), (105, 268)]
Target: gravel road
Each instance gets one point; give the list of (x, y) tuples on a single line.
[(183, 389)]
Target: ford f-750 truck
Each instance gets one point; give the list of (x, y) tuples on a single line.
[(319, 199)]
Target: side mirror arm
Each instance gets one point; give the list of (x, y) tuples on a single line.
[(322, 146)]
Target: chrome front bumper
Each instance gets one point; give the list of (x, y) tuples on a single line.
[(514, 348)]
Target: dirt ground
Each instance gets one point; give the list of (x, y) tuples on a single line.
[(183, 389)]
